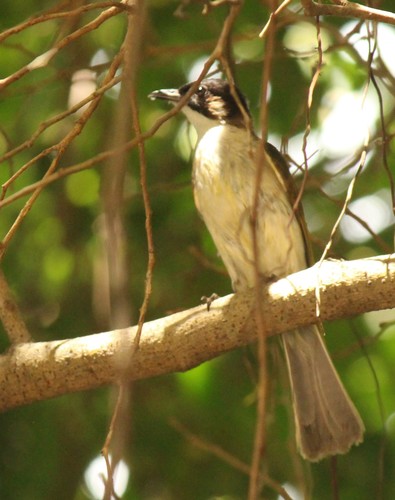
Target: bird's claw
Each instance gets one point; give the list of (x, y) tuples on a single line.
[(209, 300)]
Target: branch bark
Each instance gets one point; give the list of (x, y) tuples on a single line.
[(347, 9), (35, 371)]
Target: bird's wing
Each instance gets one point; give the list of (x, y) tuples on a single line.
[(283, 169)]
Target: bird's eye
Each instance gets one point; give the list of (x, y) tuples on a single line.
[(201, 91)]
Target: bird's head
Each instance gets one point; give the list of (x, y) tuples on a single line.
[(213, 103)]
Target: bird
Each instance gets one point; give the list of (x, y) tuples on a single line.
[(224, 179)]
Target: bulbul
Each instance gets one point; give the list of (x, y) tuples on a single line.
[(224, 181)]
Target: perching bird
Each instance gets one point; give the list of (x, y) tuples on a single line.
[(224, 180)]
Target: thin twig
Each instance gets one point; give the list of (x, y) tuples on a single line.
[(43, 59), (262, 387), (49, 177), (310, 96), (144, 189), (385, 137), (350, 191), (44, 126), (225, 456), (279, 9), (61, 148), (109, 480), (50, 15), (115, 246)]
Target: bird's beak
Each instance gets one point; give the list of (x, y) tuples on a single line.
[(171, 95)]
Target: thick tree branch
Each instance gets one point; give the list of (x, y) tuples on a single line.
[(35, 371), (347, 9)]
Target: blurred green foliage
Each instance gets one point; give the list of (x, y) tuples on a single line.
[(53, 261)]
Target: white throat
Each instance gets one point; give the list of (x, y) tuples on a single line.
[(200, 122)]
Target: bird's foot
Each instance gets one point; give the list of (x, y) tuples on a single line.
[(209, 300)]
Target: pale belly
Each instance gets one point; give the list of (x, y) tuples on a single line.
[(224, 186)]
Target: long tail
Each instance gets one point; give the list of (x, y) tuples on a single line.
[(326, 420)]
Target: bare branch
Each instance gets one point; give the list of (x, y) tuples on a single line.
[(61, 147), (49, 16), (226, 457), (32, 372), (347, 9), (43, 60)]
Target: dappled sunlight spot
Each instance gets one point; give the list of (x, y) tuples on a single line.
[(83, 84), (185, 141), (251, 49), (374, 209), (295, 151), (357, 39), (386, 43), (58, 264), (48, 229), (385, 40), (301, 38), (100, 57), (82, 188), (374, 320), (196, 68), (195, 382), (95, 475), (292, 491), (300, 41), (342, 170), (390, 426), (347, 122)]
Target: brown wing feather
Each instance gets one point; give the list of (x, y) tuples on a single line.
[(283, 169)]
